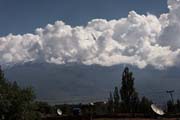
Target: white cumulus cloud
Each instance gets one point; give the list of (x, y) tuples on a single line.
[(139, 40)]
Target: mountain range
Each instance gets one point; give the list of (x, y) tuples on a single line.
[(77, 83)]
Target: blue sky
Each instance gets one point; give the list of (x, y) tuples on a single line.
[(24, 16)]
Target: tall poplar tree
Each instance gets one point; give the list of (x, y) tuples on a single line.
[(128, 94)]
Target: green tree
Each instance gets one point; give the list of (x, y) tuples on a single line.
[(4, 103), (110, 103), (44, 107), (128, 94), (116, 99), (145, 106), (134, 103), (170, 106), (178, 106), (16, 103)]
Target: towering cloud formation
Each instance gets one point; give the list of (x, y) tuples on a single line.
[(139, 40)]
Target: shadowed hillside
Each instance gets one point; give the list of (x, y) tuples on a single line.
[(81, 83)]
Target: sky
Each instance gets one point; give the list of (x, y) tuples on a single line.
[(24, 16), (107, 33)]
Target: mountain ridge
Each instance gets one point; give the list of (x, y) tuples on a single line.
[(84, 83)]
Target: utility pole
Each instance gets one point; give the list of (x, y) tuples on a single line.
[(91, 110), (170, 92)]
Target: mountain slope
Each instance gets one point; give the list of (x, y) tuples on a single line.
[(81, 83)]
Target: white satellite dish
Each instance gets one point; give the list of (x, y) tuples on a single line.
[(91, 103), (59, 112), (157, 110)]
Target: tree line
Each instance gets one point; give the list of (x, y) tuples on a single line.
[(126, 99)]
